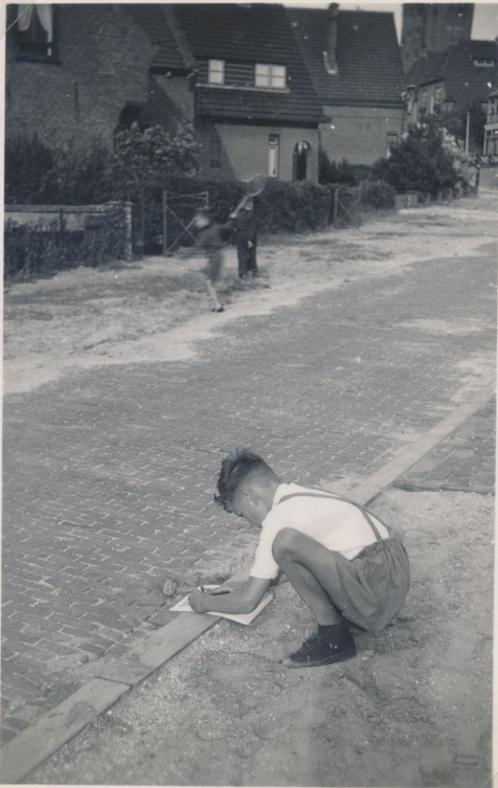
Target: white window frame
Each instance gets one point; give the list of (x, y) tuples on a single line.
[(271, 76), (216, 71), (391, 141), (273, 155)]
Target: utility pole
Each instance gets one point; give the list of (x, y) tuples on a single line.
[(467, 131)]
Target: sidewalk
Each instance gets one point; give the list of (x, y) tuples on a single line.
[(109, 471), (412, 709)]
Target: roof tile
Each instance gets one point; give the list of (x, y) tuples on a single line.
[(249, 33), (368, 58)]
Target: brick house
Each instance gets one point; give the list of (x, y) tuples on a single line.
[(256, 110), (79, 72), (355, 64), (453, 80)]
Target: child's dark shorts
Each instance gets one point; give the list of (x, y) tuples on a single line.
[(371, 589), (214, 265)]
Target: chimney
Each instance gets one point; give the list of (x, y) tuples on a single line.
[(330, 54)]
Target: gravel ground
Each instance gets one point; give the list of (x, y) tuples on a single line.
[(412, 709), (157, 309)]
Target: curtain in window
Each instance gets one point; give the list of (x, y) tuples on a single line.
[(44, 13), (24, 16), (45, 16)]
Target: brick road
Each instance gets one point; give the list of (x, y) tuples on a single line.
[(465, 461), (109, 474)]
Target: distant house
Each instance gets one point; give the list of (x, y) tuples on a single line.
[(465, 74), (433, 27), (490, 147), (78, 72), (355, 64), (256, 109)]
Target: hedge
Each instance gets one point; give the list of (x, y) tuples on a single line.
[(43, 250)]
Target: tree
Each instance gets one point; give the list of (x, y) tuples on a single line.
[(147, 158), (456, 124), (422, 161)]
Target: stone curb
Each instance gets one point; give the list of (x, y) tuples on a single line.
[(115, 676), (409, 455)]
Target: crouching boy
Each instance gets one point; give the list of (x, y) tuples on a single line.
[(342, 561)]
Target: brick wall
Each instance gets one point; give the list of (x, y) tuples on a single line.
[(104, 61), (359, 134), (171, 101), (244, 150)]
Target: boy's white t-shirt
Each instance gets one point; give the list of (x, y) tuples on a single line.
[(334, 523)]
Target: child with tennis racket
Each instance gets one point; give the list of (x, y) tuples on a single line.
[(212, 237)]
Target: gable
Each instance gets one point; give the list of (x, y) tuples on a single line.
[(242, 36)]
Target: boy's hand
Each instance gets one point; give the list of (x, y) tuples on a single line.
[(199, 601)]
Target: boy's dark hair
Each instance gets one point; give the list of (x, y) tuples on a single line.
[(235, 468)]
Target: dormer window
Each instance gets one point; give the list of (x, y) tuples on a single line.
[(35, 30), (216, 72), (484, 63), (268, 75)]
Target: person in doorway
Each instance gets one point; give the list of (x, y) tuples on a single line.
[(344, 563), (211, 237), (246, 239)]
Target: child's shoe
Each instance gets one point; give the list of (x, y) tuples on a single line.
[(330, 644)]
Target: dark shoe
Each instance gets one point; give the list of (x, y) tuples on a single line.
[(218, 309), (329, 644)]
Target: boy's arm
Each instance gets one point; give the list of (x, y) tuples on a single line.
[(241, 600)]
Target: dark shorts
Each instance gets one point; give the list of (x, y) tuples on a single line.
[(371, 589), (214, 264)]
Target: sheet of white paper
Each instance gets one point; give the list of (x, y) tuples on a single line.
[(241, 618)]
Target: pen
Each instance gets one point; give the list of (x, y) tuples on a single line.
[(214, 592)]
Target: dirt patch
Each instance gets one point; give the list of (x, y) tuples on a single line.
[(407, 711)]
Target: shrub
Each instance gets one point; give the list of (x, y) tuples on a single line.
[(420, 162), (293, 207), (42, 250), (27, 161), (144, 160), (377, 195), (330, 172), (78, 176)]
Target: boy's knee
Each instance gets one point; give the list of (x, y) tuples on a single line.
[(285, 543)]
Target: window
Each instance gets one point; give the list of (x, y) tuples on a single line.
[(270, 76), (216, 72), (273, 155), (392, 140), (486, 63), (35, 30)]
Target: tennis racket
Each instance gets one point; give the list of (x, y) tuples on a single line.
[(254, 186)]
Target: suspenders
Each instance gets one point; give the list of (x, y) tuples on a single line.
[(326, 494)]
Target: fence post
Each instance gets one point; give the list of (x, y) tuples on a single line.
[(165, 223), (334, 204), (128, 231)]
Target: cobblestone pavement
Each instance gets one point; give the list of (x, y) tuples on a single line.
[(109, 474), (465, 461)]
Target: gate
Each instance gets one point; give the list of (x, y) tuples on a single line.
[(347, 206), (178, 212)]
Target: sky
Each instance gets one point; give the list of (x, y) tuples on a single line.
[(485, 25)]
